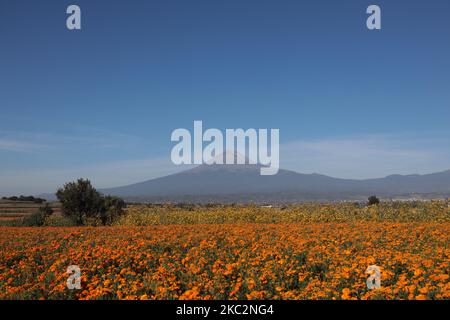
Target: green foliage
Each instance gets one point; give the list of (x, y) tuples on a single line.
[(46, 210), (37, 218), (82, 203), (373, 200), (79, 200), (33, 220), (112, 209)]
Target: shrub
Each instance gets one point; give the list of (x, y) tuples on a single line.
[(38, 218), (372, 200), (35, 219), (112, 209), (46, 210)]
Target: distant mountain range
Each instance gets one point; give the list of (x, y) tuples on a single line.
[(243, 183)]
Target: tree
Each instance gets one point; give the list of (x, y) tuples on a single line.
[(373, 200), (80, 200)]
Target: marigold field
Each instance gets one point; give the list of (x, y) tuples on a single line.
[(294, 259)]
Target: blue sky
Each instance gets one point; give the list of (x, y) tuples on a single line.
[(102, 102)]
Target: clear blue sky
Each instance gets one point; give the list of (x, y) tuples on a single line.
[(102, 102)]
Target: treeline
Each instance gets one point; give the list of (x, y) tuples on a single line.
[(25, 199)]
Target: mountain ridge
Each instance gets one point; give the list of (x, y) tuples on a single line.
[(215, 182)]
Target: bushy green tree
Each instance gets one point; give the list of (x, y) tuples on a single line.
[(372, 200), (80, 200)]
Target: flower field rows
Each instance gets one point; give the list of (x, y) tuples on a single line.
[(228, 261), (429, 211)]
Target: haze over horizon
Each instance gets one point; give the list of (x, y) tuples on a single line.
[(101, 103), (189, 168)]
